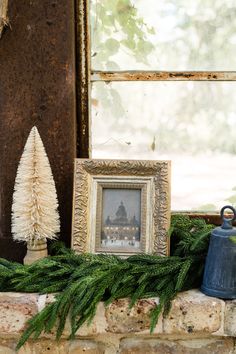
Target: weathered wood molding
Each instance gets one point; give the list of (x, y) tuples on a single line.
[(133, 75), (3, 15)]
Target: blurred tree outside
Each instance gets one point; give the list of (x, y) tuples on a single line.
[(116, 27)]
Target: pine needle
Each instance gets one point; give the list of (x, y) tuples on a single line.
[(82, 281)]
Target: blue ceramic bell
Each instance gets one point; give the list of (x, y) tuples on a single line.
[(219, 278)]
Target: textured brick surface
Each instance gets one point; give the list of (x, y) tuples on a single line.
[(122, 319), (190, 327), (87, 347), (195, 346), (7, 346), (62, 347), (230, 318), (44, 346), (15, 310), (97, 326), (193, 312)]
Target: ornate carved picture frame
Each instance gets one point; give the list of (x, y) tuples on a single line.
[(121, 207)]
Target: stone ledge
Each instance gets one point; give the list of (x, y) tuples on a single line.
[(192, 313), (15, 310), (191, 346), (124, 346)]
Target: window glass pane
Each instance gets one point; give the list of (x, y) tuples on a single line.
[(163, 34), (190, 123)]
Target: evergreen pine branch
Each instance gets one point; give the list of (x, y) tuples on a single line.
[(139, 292), (164, 302), (182, 274), (83, 280), (35, 325), (51, 322), (160, 284), (201, 241), (59, 285)]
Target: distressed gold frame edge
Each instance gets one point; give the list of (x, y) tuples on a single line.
[(85, 168)]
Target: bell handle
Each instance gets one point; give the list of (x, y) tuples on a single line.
[(222, 213)]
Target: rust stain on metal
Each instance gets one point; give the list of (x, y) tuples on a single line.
[(108, 76), (83, 77), (37, 87)]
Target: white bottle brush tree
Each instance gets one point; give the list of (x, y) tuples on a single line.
[(35, 216)]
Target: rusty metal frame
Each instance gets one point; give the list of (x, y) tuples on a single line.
[(85, 77), (83, 70), (163, 76), (37, 87)]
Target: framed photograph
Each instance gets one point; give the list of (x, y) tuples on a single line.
[(121, 207)]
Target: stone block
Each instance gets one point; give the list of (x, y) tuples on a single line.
[(15, 310), (96, 327), (7, 346), (86, 347), (62, 347), (194, 312), (194, 346), (122, 319), (230, 318)]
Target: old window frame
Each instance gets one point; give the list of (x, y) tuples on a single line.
[(86, 76)]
